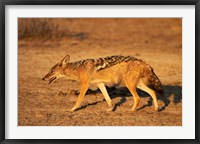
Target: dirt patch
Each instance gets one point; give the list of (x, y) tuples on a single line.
[(157, 41)]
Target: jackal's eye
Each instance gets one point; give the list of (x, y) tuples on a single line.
[(50, 71)]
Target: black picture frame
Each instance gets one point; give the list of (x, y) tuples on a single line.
[(3, 4)]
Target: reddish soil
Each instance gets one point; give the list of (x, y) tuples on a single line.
[(157, 41)]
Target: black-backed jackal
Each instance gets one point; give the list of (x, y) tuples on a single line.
[(112, 70)]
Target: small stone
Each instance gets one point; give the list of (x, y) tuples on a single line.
[(62, 93), (74, 92)]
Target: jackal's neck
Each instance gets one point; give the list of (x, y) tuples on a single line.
[(71, 70)]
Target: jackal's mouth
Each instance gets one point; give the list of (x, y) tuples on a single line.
[(52, 79)]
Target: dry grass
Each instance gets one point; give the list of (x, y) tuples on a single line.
[(45, 28)]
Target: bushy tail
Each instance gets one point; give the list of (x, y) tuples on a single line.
[(155, 82)]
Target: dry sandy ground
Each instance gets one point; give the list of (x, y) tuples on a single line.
[(157, 41)]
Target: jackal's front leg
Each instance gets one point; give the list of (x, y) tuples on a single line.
[(84, 88), (106, 96)]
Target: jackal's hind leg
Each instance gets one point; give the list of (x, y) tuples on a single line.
[(132, 88), (106, 96), (151, 92)]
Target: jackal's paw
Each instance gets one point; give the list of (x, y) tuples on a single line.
[(69, 110), (72, 110), (110, 109), (133, 109), (156, 108)]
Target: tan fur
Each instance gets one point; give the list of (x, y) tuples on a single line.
[(115, 70)]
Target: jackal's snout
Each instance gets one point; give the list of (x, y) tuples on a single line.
[(49, 78), (44, 78)]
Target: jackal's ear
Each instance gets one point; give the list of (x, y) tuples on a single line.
[(65, 60)]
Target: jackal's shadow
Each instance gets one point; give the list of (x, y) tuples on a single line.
[(171, 94)]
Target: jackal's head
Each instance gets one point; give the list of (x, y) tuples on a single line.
[(57, 70)]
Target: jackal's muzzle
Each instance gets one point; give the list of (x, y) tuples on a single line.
[(49, 78)]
